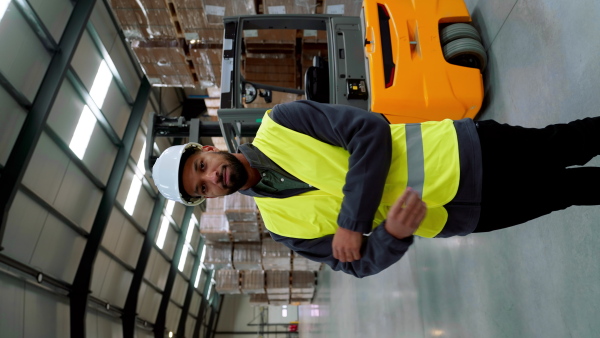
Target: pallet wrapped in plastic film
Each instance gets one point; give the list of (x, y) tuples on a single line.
[(278, 282), (259, 299), (214, 227), (240, 208), (275, 256), (303, 284), (246, 256), (300, 301), (215, 10), (251, 226), (289, 6), (227, 281), (246, 236), (218, 256), (215, 205), (300, 263), (253, 281)]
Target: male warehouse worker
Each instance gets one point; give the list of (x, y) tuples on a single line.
[(324, 176)]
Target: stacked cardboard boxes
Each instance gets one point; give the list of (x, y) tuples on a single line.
[(227, 281), (342, 7), (218, 256), (289, 6), (253, 282), (246, 256), (278, 287), (275, 256), (303, 286)]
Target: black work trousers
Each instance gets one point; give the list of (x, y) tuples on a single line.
[(528, 172)]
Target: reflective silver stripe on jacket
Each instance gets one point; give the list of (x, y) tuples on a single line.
[(414, 156)]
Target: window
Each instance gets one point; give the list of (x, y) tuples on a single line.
[(200, 266), (188, 239), (136, 184), (87, 120), (3, 6), (164, 226)]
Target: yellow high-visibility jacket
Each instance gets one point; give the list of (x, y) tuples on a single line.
[(424, 156)]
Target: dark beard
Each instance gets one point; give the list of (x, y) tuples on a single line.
[(237, 173)]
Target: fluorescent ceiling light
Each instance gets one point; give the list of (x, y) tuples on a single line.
[(189, 232), (3, 6), (162, 233), (197, 281), (101, 84), (182, 259), (203, 253), (132, 196), (83, 132), (140, 163), (169, 208)]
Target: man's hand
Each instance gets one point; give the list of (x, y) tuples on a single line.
[(406, 215), (346, 245)]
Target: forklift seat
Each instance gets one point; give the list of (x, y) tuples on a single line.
[(316, 81)]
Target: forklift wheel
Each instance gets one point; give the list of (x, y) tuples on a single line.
[(466, 52), (458, 31)]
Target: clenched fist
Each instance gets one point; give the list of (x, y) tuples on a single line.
[(406, 215)]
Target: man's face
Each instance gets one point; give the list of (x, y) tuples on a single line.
[(213, 173)]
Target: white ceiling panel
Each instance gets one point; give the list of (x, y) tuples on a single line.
[(86, 60), (12, 296), (54, 14), (46, 169), (126, 69), (160, 272), (12, 117), (91, 323), (24, 64), (65, 112), (113, 230), (189, 326), (128, 177), (99, 274), (116, 284), (58, 250), (170, 242), (129, 244), (195, 304), (100, 155), (78, 198), (116, 109), (24, 225), (150, 304), (109, 326), (49, 312), (179, 288), (173, 314), (102, 22), (143, 208)]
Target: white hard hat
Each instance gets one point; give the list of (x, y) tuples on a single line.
[(166, 174)]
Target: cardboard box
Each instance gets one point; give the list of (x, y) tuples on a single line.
[(215, 10), (164, 63), (342, 7), (289, 6)]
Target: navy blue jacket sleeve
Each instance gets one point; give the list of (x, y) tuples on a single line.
[(378, 252), (366, 136)]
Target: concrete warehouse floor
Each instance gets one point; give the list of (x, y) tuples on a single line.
[(540, 279)]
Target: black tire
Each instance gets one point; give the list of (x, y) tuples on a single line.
[(466, 52), (458, 31)]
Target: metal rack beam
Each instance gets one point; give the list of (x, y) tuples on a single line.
[(81, 283), (34, 123)]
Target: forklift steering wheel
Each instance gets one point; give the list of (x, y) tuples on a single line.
[(250, 92)]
